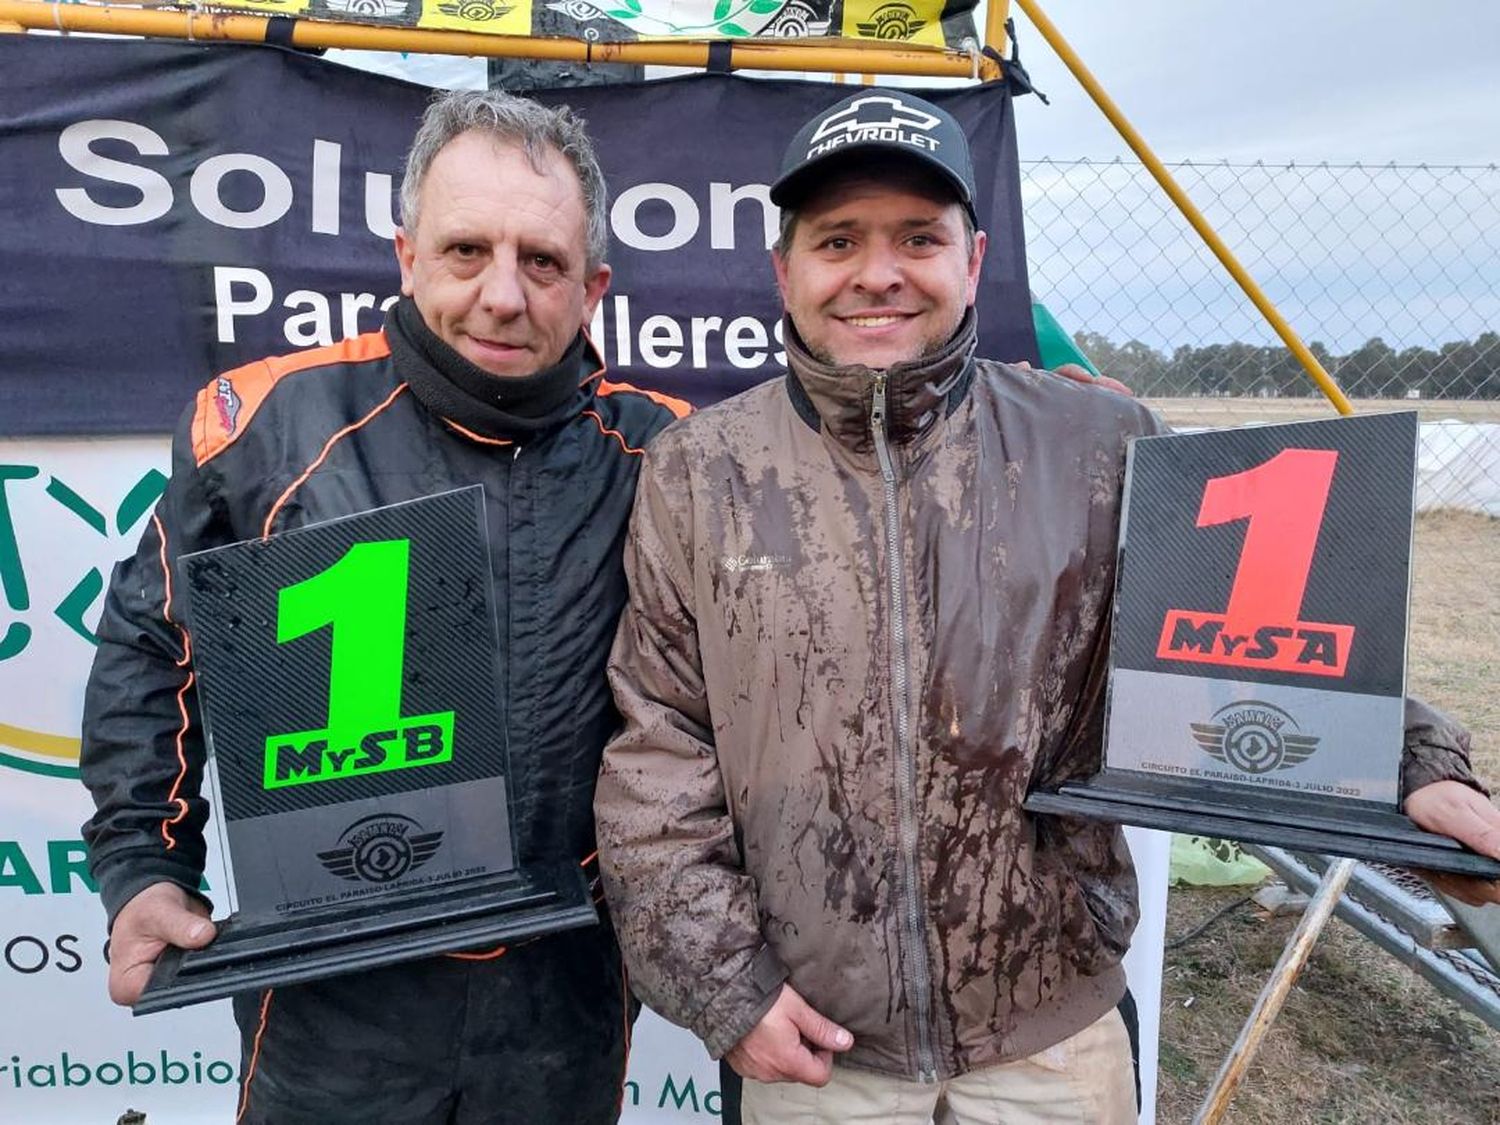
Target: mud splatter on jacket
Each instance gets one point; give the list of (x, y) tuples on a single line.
[(858, 632)]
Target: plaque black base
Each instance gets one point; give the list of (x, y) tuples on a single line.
[(365, 933), (1297, 821)]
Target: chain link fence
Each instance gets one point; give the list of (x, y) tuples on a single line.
[(1390, 273)]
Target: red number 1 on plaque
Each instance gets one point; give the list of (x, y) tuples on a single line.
[(1283, 499)]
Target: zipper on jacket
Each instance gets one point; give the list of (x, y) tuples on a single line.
[(906, 762)]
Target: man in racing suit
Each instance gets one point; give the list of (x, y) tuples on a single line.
[(482, 374)]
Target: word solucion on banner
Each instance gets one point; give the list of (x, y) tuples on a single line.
[(244, 191)]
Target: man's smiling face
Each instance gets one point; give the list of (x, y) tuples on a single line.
[(497, 262), (879, 270)]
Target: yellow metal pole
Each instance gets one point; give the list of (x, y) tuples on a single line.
[(759, 55), (1138, 145), (994, 26)]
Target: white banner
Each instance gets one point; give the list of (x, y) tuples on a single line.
[(66, 1053)]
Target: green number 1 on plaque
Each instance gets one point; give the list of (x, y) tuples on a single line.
[(362, 600), (362, 597)]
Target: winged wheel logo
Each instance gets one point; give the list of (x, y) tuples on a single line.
[(1254, 738), (381, 849)]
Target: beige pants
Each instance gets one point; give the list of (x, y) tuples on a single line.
[(1085, 1080)]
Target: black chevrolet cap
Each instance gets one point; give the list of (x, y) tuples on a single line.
[(877, 122)]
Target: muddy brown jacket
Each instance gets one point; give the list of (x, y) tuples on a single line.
[(866, 616)]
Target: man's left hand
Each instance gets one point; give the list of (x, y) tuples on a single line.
[(1451, 808)]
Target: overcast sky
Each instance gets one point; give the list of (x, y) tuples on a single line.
[(1306, 80), (1335, 80), (1408, 256)]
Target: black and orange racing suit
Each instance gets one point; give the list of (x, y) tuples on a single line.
[(540, 1033)]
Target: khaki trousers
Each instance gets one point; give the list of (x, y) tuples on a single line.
[(1084, 1080)]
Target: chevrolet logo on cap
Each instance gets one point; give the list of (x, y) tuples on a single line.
[(875, 112)]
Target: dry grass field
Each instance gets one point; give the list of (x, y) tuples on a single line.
[(1454, 651), (1237, 411), (1362, 1040)]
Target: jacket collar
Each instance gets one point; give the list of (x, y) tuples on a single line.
[(918, 393), (506, 407)]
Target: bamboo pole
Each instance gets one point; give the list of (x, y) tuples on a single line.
[(1298, 948), (855, 57), (1169, 185)]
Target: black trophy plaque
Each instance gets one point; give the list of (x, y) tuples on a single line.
[(348, 677), (1258, 654)]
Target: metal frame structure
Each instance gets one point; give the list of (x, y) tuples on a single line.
[(202, 26), (1179, 197), (1383, 912)]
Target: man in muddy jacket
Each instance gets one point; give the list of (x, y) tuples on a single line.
[(868, 613)]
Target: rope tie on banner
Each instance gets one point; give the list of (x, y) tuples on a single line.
[(1015, 59), (1015, 73), (720, 56), (57, 17)]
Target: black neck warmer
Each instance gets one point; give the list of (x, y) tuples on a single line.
[(501, 406)]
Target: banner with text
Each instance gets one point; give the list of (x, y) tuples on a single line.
[(153, 232), (927, 22)]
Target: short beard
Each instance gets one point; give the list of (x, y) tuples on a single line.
[(928, 348)]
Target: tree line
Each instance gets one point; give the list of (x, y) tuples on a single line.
[(1463, 369)]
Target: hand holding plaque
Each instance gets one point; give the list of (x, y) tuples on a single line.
[(348, 675), (1257, 664)]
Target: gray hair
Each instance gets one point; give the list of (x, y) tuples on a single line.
[(529, 125)]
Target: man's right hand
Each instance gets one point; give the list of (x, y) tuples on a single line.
[(791, 1043), (163, 914), (1451, 808)]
